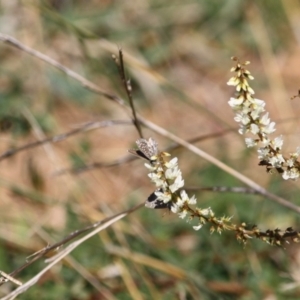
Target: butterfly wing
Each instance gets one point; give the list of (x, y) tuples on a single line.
[(154, 203), (147, 147)]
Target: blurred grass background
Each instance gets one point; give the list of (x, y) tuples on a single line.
[(178, 58)]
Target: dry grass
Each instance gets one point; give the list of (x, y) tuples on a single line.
[(178, 57)]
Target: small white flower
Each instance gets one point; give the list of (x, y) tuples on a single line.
[(172, 163), (290, 162), (172, 173), (178, 183), (206, 211), (263, 153), (246, 110), (150, 167), (197, 227), (192, 201), (156, 179), (291, 174), (174, 208), (243, 118), (183, 214), (265, 120), (179, 202), (285, 175), (250, 142), (184, 196), (235, 102), (255, 114), (254, 129), (258, 103), (165, 197), (250, 90), (270, 128), (277, 160), (265, 142), (243, 130), (278, 142), (233, 81)]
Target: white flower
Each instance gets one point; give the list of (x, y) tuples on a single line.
[(156, 178), (243, 118), (243, 130), (197, 227), (250, 90), (265, 120), (183, 214), (270, 128), (263, 153), (290, 162), (233, 81), (250, 142), (255, 114), (178, 183), (172, 173), (265, 142), (206, 211), (179, 202), (278, 142), (291, 174), (235, 102), (165, 197), (277, 160), (150, 167), (192, 201), (184, 196), (174, 208), (254, 129), (172, 163), (258, 103)]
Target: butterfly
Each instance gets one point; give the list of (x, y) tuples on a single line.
[(155, 203), (147, 149)]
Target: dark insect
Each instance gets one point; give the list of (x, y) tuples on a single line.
[(153, 202), (146, 149)]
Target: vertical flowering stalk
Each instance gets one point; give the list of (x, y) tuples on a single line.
[(250, 113)]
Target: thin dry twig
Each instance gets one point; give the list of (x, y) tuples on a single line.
[(84, 82), (5, 278), (63, 136), (129, 158), (128, 89), (96, 165), (224, 189)]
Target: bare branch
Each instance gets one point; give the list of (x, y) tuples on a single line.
[(63, 136), (96, 165), (224, 189), (128, 88), (127, 158), (83, 81)]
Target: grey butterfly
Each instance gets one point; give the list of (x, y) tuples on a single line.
[(147, 149)]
